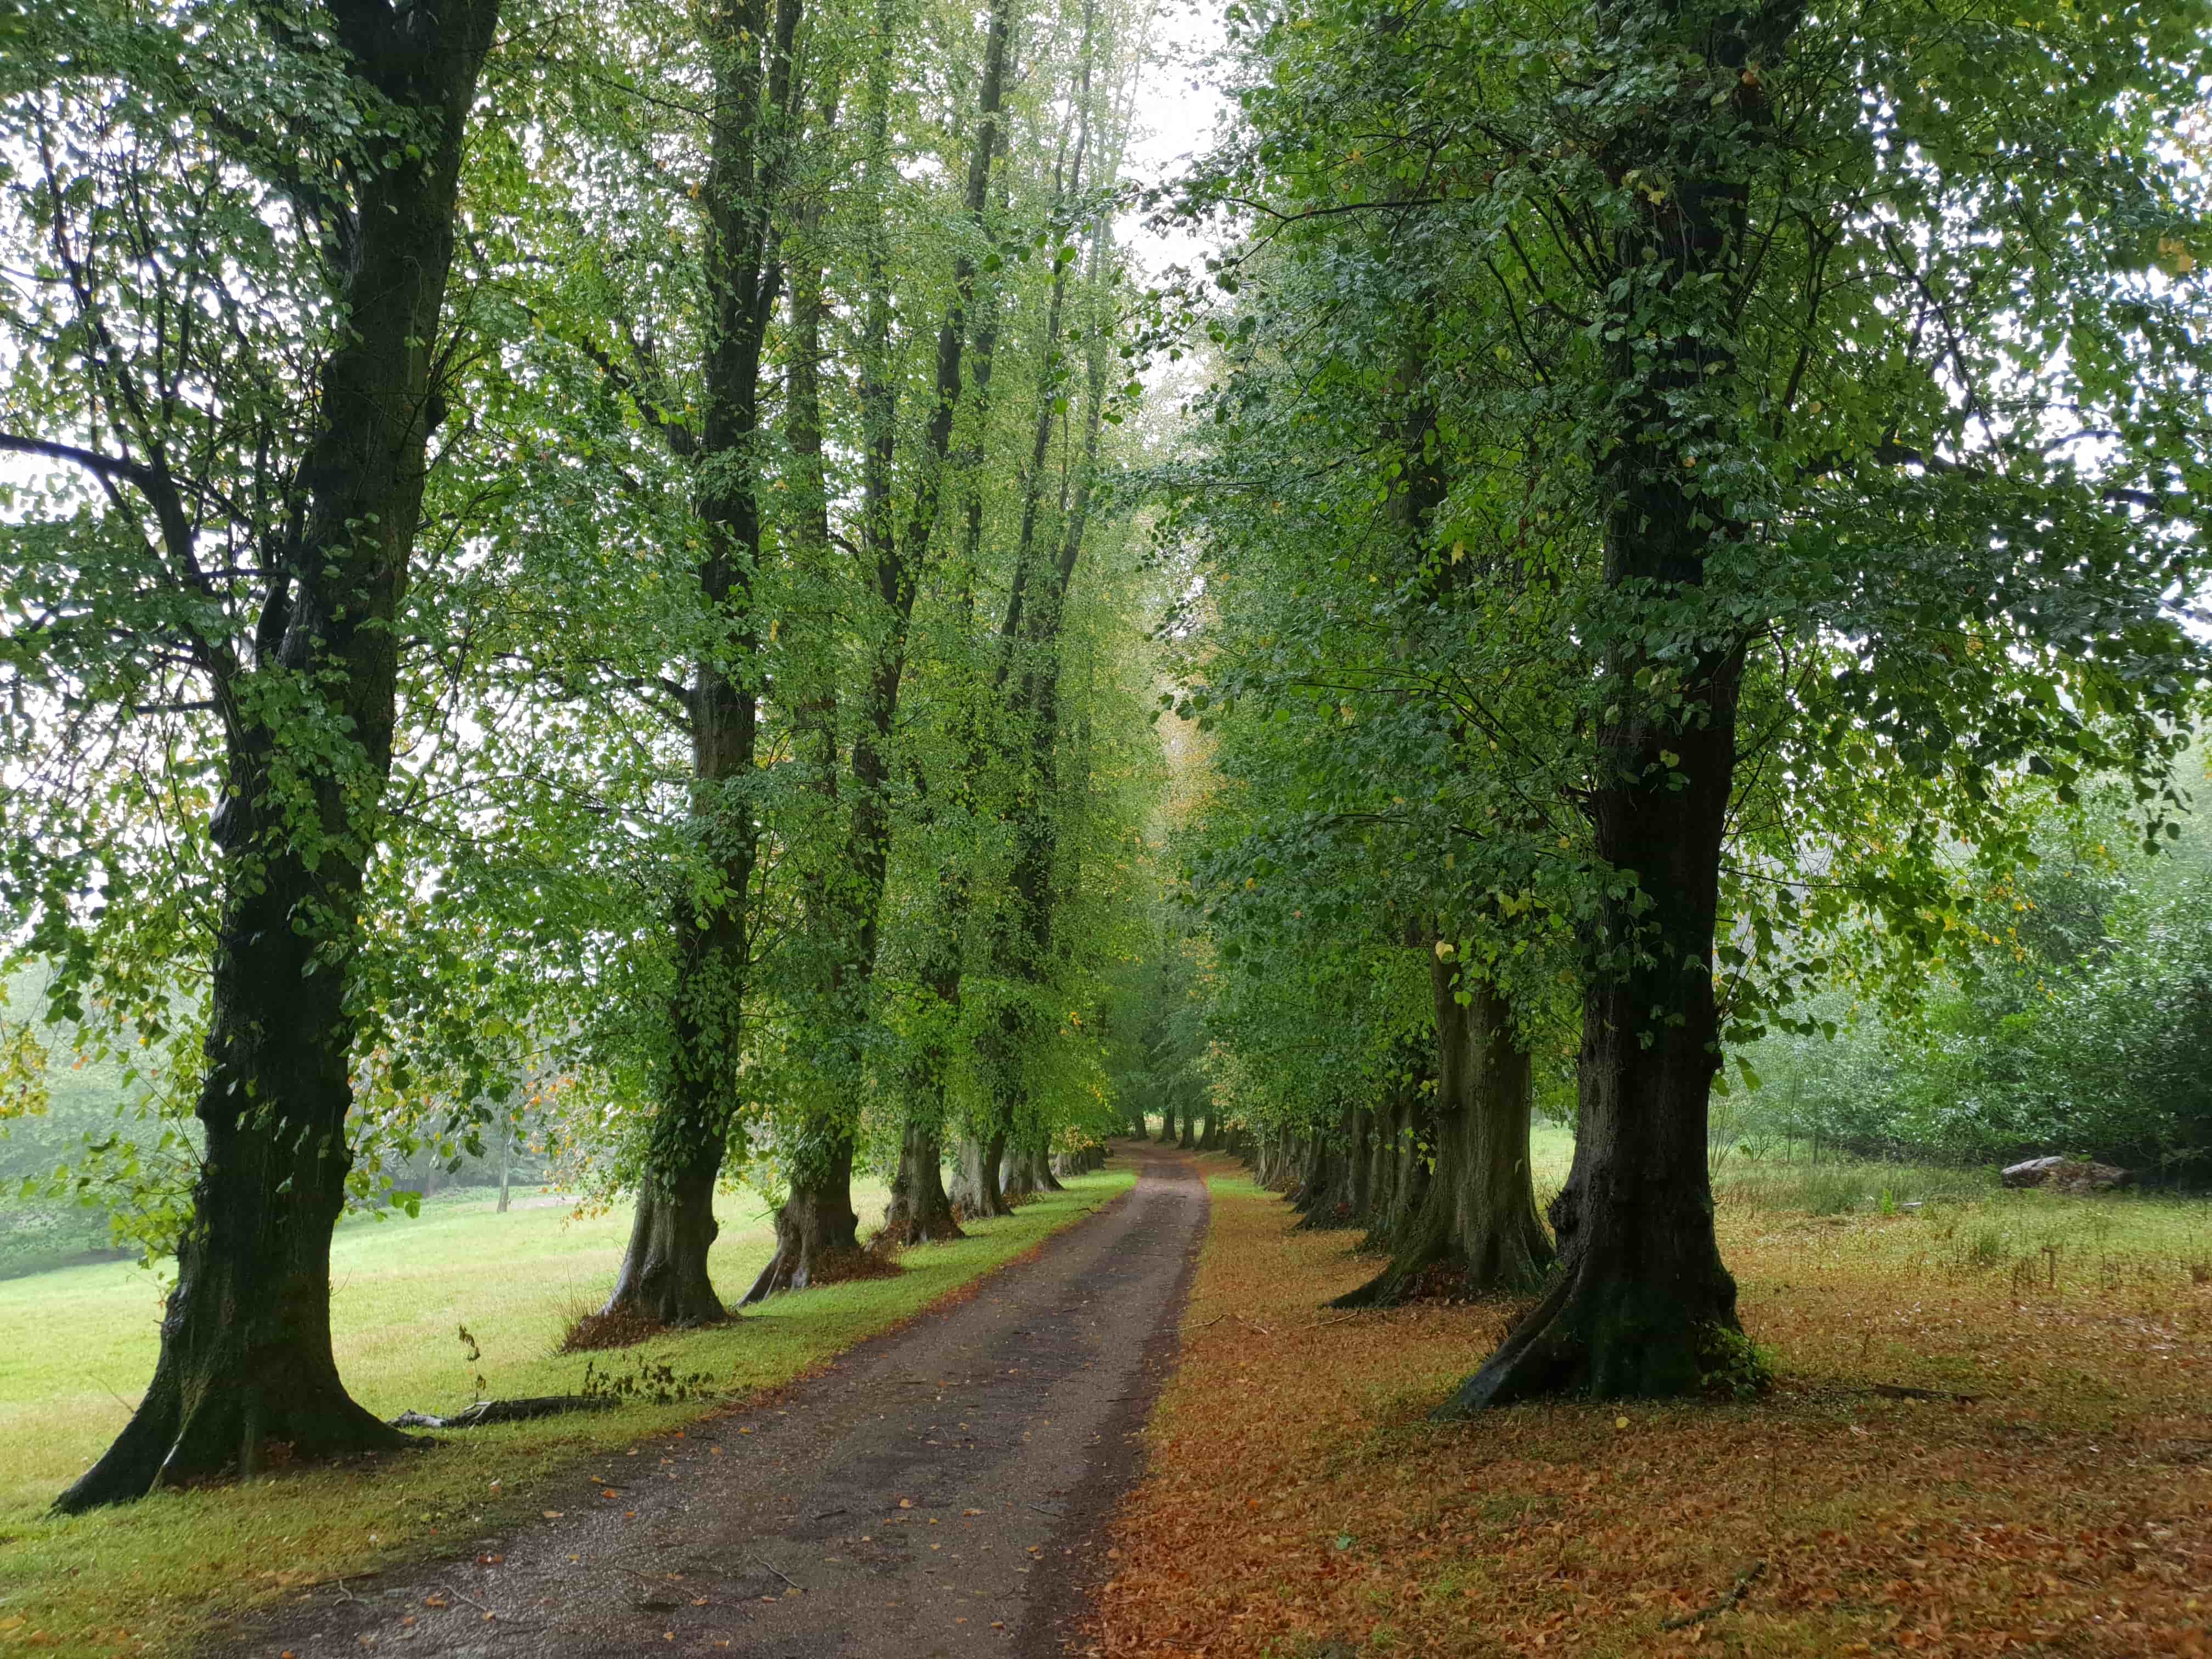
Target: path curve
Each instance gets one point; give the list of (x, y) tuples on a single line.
[(1007, 1423)]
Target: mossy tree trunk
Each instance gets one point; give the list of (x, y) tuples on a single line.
[(663, 1275)]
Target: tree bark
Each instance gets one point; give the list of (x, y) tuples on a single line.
[(1328, 1203), (1405, 1150), (664, 1276), (245, 1357), (815, 1219), (921, 1210), (1028, 1169), (975, 1190), (1477, 1228)]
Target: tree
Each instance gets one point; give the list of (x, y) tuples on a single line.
[(255, 407)]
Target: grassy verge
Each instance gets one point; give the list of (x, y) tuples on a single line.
[(1297, 1502), (149, 1576)]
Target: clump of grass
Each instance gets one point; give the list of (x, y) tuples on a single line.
[(1986, 1248)]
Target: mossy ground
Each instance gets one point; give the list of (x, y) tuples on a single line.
[(146, 1578)]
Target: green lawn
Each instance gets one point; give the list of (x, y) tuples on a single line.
[(82, 1341)]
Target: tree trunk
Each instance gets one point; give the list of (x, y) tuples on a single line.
[(1327, 1202), (975, 1190), (1028, 1170), (1405, 1152), (1315, 1168), (1359, 1169), (921, 1212), (1167, 1124), (1476, 1233), (663, 1275), (246, 1357), (817, 1217)]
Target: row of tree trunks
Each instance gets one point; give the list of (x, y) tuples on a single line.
[(1082, 1161), (816, 1218), (1476, 1230)]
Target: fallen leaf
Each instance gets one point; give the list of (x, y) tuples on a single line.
[(553, 1515)]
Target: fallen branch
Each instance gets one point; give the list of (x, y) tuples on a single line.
[(505, 1410), (778, 1572), (1899, 1391), (1744, 1580)]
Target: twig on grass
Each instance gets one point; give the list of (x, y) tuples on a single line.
[(1744, 1580), (778, 1572)]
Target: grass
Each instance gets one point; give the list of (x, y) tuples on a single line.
[(1298, 1503), (150, 1576)]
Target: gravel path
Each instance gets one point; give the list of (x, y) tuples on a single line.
[(935, 1493)]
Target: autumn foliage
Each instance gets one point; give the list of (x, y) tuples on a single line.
[(2055, 1497)]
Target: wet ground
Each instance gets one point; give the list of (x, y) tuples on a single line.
[(937, 1492)]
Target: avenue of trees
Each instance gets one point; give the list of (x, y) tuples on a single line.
[(1695, 498), (560, 564), (610, 562)]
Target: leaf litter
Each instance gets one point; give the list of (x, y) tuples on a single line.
[(1297, 1504)]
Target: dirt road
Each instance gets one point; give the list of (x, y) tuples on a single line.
[(934, 1493)]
